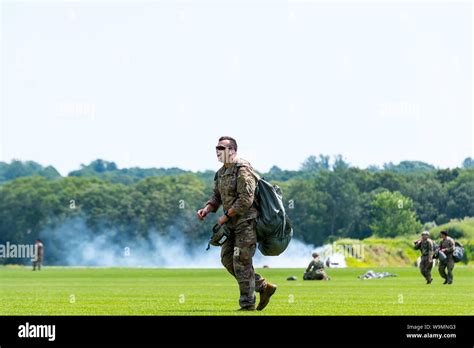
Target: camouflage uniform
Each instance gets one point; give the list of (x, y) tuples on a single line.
[(427, 250), (449, 245), (315, 271), (234, 187)]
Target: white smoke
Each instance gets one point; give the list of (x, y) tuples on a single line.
[(298, 255), (74, 244)]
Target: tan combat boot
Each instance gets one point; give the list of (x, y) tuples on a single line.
[(265, 295)]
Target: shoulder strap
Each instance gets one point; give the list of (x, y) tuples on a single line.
[(239, 165), (256, 176)]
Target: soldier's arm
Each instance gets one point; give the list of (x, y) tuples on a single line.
[(246, 184), (430, 250), (309, 266), (450, 247), (215, 200)]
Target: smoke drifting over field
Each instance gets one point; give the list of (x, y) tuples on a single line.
[(74, 244)]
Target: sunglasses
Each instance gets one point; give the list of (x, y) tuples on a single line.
[(221, 148)]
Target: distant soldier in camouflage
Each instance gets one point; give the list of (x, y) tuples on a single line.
[(39, 254), (447, 246), (234, 189), (426, 246), (315, 270)]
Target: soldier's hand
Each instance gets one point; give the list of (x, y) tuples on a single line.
[(201, 213), (222, 220)]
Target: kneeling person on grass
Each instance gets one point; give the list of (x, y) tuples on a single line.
[(315, 270)]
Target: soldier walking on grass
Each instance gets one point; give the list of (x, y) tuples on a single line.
[(234, 189), (426, 246), (447, 247)]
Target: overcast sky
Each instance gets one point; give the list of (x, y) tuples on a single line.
[(154, 84)]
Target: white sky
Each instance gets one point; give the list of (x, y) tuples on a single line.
[(154, 84)]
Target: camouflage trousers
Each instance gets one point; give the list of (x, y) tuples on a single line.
[(425, 267), (315, 275), (236, 256), (449, 264), (37, 263)]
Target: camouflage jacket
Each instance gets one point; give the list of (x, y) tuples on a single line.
[(234, 187), (447, 244), (315, 265), (426, 247), (39, 251)]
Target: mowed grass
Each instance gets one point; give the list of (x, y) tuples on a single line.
[(128, 291)]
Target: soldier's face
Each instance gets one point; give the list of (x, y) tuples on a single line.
[(424, 237), (223, 152)]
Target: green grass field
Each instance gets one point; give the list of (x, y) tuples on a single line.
[(127, 291)]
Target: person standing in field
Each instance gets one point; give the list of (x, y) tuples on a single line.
[(426, 246), (234, 189), (447, 247), (39, 254)]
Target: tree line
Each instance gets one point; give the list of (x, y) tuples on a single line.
[(325, 200)]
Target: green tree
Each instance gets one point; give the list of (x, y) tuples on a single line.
[(17, 169), (340, 163), (388, 180), (307, 209), (313, 163), (429, 197), (446, 175), (461, 195), (342, 200), (393, 215), (409, 166)]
